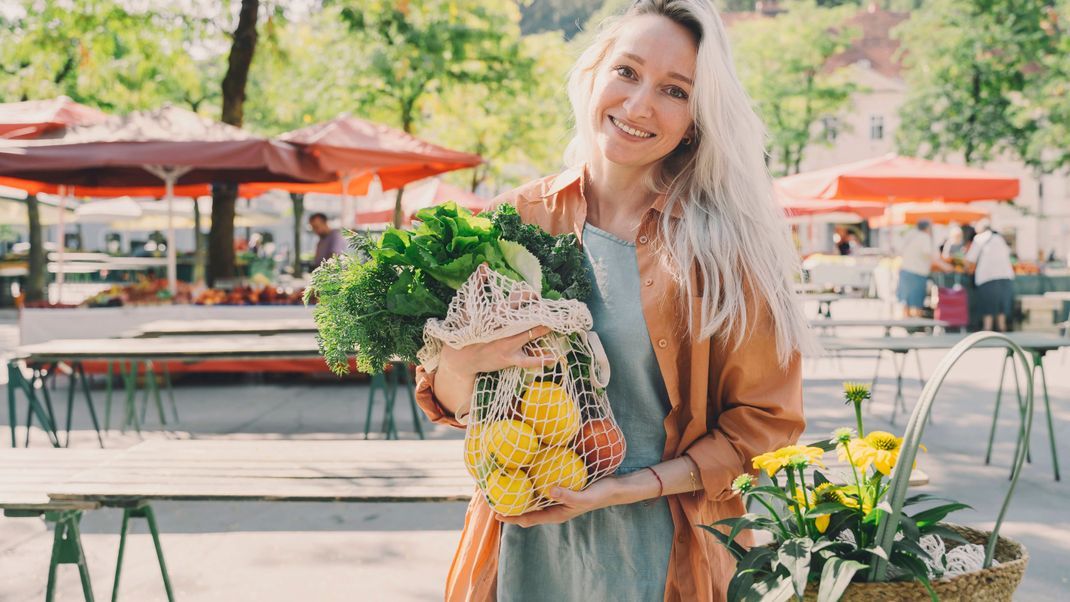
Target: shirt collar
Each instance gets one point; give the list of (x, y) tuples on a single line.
[(575, 176)]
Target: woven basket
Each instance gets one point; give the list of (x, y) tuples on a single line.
[(994, 584)]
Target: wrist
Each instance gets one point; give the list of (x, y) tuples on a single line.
[(635, 487)]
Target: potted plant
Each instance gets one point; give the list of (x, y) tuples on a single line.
[(859, 535)]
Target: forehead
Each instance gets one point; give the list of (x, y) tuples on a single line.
[(662, 44)]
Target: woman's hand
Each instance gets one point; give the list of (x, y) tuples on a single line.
[(496, 355), (570, 504), (457, 368)]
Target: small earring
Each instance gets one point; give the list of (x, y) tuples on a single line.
[(686, 141)]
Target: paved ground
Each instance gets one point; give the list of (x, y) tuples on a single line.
[(219, 551)]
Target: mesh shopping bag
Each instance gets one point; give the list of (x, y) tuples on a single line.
[(530, 430)]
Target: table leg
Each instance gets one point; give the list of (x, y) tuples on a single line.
[(67, 549), (42, 375), (899, 360), (79, 371), (416, 414), (389, 427), (70, 407), (995, 411), (170, 389), (107, 396), (146, 513), (12, 367), (377, 382), (1038, 370), (150, 387)]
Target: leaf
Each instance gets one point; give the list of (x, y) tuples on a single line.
[(944, 533), (819, 478), (835, 577), (523, 262), (775, 588), (747, 521), (924, 497), (794, 554), (918, 569), (737, 550), (937, 514), (755, 565), (826, 508), (824, 445)]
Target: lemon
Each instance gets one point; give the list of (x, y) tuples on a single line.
[(511, 442), (476, 461), (547, 407), (557, 467), (509, 491)]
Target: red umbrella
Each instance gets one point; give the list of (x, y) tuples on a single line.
[(353, 146), (143, 148), (896, 179), (31, 118)]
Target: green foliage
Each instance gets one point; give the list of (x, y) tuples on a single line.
[(972, 67), (375, 301), (103, 53), (564, 269), (781, 61)]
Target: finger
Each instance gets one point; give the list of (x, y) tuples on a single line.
[(538, 358), (520, 339)]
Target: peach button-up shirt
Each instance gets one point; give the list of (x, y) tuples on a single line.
[(728, 405)]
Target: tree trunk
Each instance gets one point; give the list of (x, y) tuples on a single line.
[(397, 207), (299, 224), (37, 279), (221, 236), (198, 244)]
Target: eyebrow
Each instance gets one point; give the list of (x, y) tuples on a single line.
[(672, 74)]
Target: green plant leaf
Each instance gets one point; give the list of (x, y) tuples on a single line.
[(824, 445), (826, 508), (944, 533), (737, 550), (754, 566), (523, 262), (934, 515), (794, 554), (914, 566), (835, 577), (775, 588), (747, 521)]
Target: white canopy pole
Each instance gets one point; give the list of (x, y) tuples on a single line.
[(61, 235), (170, 175)]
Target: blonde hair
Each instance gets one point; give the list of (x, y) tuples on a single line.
[(732, 230)]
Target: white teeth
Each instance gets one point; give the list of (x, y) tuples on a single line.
[(631, 130)]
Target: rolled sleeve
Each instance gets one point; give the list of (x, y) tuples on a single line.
[(425, 398), (761, 409)]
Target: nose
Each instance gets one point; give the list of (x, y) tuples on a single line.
[(639, 103)]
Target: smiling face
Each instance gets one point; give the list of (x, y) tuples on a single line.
[(639, 103)]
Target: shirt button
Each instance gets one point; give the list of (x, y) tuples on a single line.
[(663, 343), (648, 282), (643, 239)]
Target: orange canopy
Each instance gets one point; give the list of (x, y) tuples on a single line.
[(937, 213), (896, 179), (32, 187), (348, 145), (31, 118)]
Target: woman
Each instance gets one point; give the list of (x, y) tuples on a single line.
[(669, 194)]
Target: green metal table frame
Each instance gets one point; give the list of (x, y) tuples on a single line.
[(128, 372), (67, 546), (35, 408), (387, 383)]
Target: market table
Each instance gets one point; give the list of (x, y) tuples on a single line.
[(133, 351), (1037, 345), (161, 328), (825, 301), (26, 475), (827, 324)]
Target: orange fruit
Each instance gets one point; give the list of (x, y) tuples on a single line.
[(601, 444)]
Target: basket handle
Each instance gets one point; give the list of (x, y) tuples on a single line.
[(916, 425)]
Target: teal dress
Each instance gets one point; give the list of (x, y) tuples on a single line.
[(620, 552)]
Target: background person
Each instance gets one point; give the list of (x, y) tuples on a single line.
[(331, 241), (696, 311), (989, 259), (917, 256)]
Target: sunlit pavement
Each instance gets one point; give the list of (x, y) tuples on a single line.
[(287, 551)]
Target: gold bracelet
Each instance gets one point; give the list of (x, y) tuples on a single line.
[(691, 473)]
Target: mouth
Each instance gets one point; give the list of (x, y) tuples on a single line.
[(627, 129)]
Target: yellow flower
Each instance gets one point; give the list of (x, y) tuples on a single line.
[(826, 493), (878, 448), (773, 461)]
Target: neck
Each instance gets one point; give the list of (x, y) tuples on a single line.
[(614, 192)]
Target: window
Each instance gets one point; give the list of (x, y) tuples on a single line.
[(832, 128), (876, 127)]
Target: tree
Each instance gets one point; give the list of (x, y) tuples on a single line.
[(519, 127), (416, 48), (966, 61), (781, 61), (101, 53), (221, 235)]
